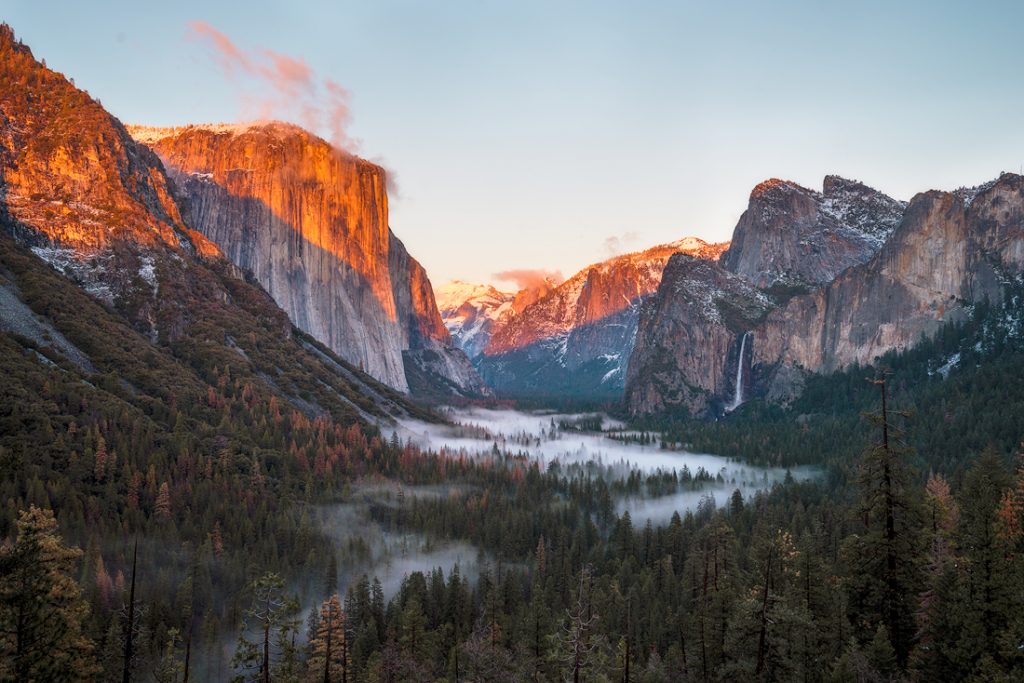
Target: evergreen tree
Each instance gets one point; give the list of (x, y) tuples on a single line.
[(883, 559), (41, 606), (330, 661), (990, 575), (271, 616)]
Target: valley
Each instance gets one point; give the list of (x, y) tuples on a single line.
[(245, 437)]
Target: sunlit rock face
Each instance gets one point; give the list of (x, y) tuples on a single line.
[(70, 173), (311, 224), (948, 251), (576, 339), (89, 200)]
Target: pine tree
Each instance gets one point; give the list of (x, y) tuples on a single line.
[(100, 459), (162, 506), (271, 613), (884, 576), (170, 664), (577, 641), (771, 623), (41, 606), (931, 649), (989, 572), (330, 658)]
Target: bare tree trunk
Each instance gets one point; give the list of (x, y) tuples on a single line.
[(266, 652), (129, 635), (761, 640)]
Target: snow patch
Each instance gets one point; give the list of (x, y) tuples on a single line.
[(147, 271)]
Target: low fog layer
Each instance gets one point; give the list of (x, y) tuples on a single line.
[(477, 430)]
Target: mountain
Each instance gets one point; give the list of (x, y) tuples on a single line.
[(791, 236), (749, 337), (311, 224), (576, 338), (104, 276), (471, 312)]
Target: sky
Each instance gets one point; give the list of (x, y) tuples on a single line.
[(550, 135)]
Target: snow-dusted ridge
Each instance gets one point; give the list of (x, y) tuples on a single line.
[(151, 134)]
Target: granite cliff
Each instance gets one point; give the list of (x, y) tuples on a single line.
[(792, 236), (311, 225), (823, 307)]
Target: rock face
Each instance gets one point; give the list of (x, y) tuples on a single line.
[(689, 337), (791, 236), (577, 338), (311, 224), (947, 254), (949, 250), (433, 366)]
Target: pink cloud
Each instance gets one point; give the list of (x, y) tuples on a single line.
[(287, 74), (287, 87), (526, 278), (227, 53), (338, 113)]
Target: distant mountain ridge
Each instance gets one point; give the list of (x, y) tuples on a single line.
[(471, 312), (571, 338)]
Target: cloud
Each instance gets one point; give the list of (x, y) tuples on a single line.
[(390, 178), (529, 278), (286, 87), (287, 74), (226, 52), (617, 244)]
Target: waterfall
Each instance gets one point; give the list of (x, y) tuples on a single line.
[(738, 397)]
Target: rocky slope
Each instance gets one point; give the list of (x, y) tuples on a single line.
[(311, 224), (949, 250), (577, 338), (161, 306), (71, 173)]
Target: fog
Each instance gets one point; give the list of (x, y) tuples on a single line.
[(363, 545), (476, 431)]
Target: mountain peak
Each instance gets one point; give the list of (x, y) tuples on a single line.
[(793, 235), (835, 184), (776, 187)]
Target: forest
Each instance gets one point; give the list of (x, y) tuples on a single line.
[(162, 523)]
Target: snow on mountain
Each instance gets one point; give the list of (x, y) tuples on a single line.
[(470, 312), (794, 236), (579, 336)]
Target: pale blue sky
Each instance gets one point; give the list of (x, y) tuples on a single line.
[(524, 135)]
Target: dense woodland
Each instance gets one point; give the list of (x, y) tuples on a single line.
[(161, 523)]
